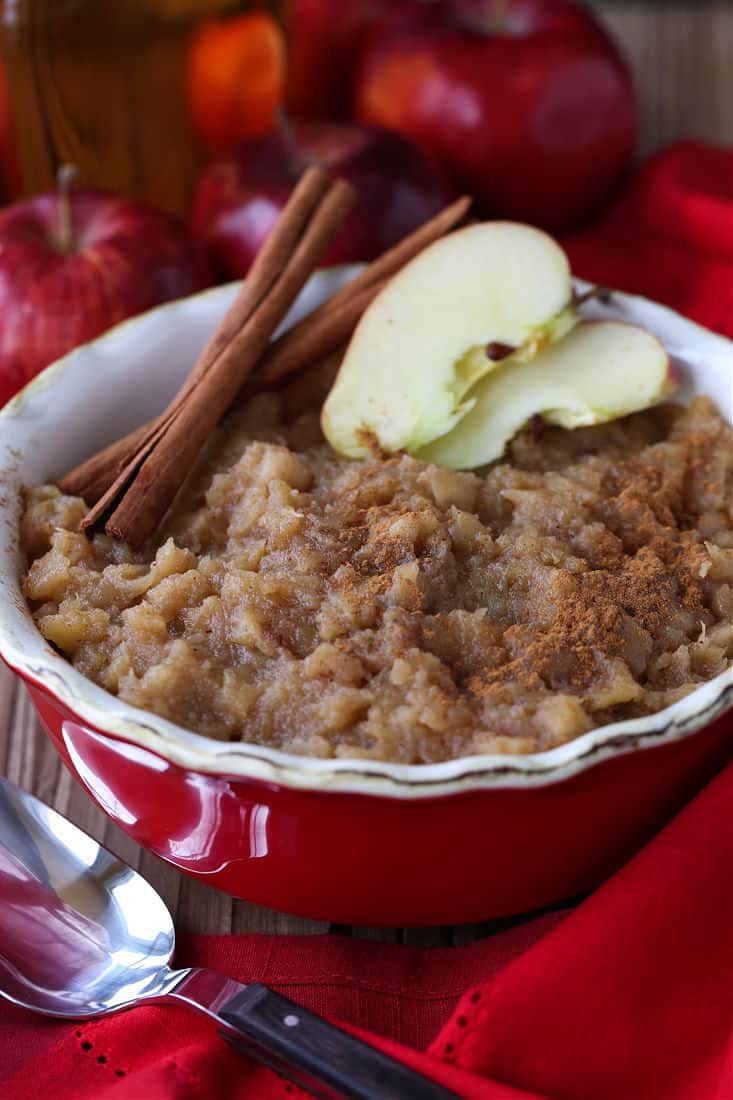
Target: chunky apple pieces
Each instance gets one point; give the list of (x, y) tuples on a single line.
[(397, 610)]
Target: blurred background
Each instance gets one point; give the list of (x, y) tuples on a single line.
[(121, 90), (210, 109), (681, 54)]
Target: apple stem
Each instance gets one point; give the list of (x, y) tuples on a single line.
[(480, 20), (602, 293), (297, 163), (65, 177)]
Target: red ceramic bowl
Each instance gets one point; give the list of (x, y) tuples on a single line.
[(351, 841)]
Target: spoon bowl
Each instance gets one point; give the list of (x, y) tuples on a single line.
[(82, 934)]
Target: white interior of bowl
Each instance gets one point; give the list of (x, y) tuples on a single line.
[(103, 389)]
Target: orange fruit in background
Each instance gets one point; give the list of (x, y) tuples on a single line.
[(235, 78)]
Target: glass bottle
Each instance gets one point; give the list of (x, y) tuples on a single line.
[(101, 84)]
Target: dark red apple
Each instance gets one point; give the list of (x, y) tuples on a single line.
[(324, 40), (240, 195), (526, 103), (73, 264)]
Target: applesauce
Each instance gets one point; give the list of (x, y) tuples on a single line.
[(386, 608)]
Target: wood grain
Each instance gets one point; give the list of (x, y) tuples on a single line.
[(682, 56), (101, 86)]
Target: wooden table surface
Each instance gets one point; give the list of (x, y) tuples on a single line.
[(683, 56)]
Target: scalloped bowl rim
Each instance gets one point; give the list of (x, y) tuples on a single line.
[(31, 657)]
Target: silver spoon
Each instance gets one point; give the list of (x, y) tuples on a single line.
[(83, 935)]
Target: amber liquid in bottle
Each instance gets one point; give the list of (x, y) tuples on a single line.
[(101, 84)]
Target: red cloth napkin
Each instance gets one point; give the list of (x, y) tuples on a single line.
[(670, 235), (629, 996)]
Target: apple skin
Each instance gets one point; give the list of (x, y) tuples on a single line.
[(240, 196), (527, 104), (123, 257), (325, 37), (8, 156)]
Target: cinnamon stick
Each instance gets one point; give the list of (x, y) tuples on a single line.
[(320, 333), (331, 323), (314, 337), (271, 259), (142, 493), (93, 478)]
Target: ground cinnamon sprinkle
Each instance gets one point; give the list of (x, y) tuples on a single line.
[(389, 609)]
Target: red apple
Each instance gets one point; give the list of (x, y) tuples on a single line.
[(73, 264), (324, 40), (8, 155), (526, 103), (240, 195)]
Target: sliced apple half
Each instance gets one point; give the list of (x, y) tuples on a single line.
[(598, 372), (408, 374)]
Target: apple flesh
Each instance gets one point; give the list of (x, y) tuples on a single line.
[(600, 371), (240, 195), (527, 104), (425, 342), (72, 265)]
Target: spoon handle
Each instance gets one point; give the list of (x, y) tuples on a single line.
[(290, 1038), (328, 1062)]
